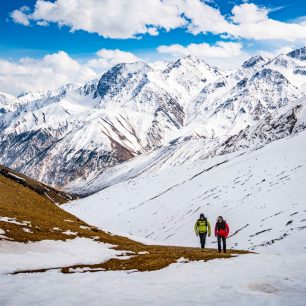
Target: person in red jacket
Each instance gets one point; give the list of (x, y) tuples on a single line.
[(221, 232)]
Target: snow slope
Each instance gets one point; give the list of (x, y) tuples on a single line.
[(255, 280), (263, 188), (260, 193)]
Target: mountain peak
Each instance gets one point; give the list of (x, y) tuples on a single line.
[(192, 60), (282, 60), (117, 77), (191, 57), (189, 60), (254, 61), (299, 54), (132, 67)]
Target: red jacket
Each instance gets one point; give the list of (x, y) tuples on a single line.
[(222, 231)]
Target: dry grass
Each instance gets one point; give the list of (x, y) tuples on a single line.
[(48, 221), (158, 257), (45, 219), (48, 192)]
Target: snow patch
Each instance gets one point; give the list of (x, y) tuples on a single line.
[(52, 254), (14, 221)]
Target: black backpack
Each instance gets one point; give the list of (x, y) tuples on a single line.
[(221, 225), (205, 220)]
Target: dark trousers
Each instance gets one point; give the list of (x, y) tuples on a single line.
[(223, 242), (203, 239)]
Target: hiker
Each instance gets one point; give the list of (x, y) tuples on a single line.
[(201, 228), (221, 232)]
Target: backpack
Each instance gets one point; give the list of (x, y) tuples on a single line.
[(221, 225), (205, 220)]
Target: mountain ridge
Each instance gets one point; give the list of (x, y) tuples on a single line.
[(133, 109)]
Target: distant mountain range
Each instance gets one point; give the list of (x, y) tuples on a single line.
[(186, 111)]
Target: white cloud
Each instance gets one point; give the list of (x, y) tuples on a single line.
[(203, 18), (50, 72), (246, 21), (21, 16), (204, 50), (55, 70), (249, 14), (276, 52), (253, 22), (115, 19), (108, 58), (128, 18), (301, 20), (223, 54)]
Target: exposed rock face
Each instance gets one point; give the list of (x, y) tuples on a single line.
[(299, 54)]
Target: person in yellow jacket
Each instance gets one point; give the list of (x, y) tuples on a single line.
[(202, 228)]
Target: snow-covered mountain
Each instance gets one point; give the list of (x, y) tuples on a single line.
[(5, 103), (187, 110), (256, 61)]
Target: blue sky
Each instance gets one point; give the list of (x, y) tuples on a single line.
[(221, 32), (18, 40)]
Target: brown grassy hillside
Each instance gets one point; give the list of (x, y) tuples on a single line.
[(28, 213)]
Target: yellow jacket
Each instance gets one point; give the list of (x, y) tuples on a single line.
[(202, 226)]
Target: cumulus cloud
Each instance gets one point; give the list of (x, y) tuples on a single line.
[(253, 22), (21, 16), (223, 54), (114, 19), (129, 18), (249, 14), (277, 51), (50, 72), (108, 58), (246, 21), (204, 50), (55, 70)]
